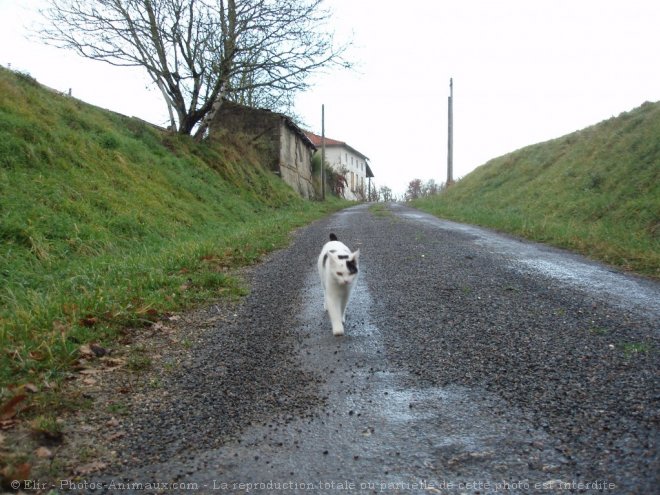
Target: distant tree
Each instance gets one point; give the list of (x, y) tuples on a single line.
[(430, 188), (198, 52), (373, 195), (386, 193), (337, 180), (414, 190)]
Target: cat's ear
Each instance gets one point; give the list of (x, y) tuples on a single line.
[(356, 256)]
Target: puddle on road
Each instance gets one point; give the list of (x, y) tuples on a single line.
[(344, 219)]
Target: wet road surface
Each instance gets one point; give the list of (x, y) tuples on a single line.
[(472, 363)]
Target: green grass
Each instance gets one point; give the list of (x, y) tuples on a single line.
[(380, 210), (596, 191), (107, 223), (630, 349)]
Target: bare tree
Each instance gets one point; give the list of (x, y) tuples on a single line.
[(199, 51), (414, 189), (431, 188), (386, 193), (373, 194)]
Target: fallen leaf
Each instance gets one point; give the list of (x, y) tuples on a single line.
[(92, 467), (9, 410), (116, 436), (147, 311), (31, 387), (89, 381), (89, 321), (37, 356), (6, 424), (22, 471), (50, 386), (43, 453), (113, 363), (110, 364), (16, 474), (158, 326), (86, 351), (112, 422)]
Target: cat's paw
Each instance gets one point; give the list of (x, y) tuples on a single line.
[(338, 333)]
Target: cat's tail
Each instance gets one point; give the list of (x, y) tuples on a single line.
[(333, 237)]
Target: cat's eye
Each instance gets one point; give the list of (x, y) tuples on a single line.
[(339, 273)]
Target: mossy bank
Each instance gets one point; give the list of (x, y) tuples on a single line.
[(596, 191)]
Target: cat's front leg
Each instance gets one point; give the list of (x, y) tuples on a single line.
[(338, 330), (325, 296), (344, 305), (336, 318)]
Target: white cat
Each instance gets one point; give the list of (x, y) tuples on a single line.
[(338, 269)]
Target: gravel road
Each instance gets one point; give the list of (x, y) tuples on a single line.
[(472, 363)]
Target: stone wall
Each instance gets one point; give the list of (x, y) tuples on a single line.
[(282, 145), (295, 161)]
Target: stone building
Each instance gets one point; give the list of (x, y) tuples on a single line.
[(344, 158), (284, 147)]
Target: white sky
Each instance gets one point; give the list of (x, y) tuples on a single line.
[(524, 71)]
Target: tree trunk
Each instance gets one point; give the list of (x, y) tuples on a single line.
[(210, 115)]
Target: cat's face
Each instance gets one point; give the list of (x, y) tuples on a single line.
[(344, 267)]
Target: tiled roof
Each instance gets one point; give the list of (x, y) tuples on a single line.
[(316, 139)]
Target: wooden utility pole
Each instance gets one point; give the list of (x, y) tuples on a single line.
[(450, 135), (323, 152)]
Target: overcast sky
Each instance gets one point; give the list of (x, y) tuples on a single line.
[(524, 71)]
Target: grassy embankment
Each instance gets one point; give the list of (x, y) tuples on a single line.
[(107, 223), (596, 191)]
